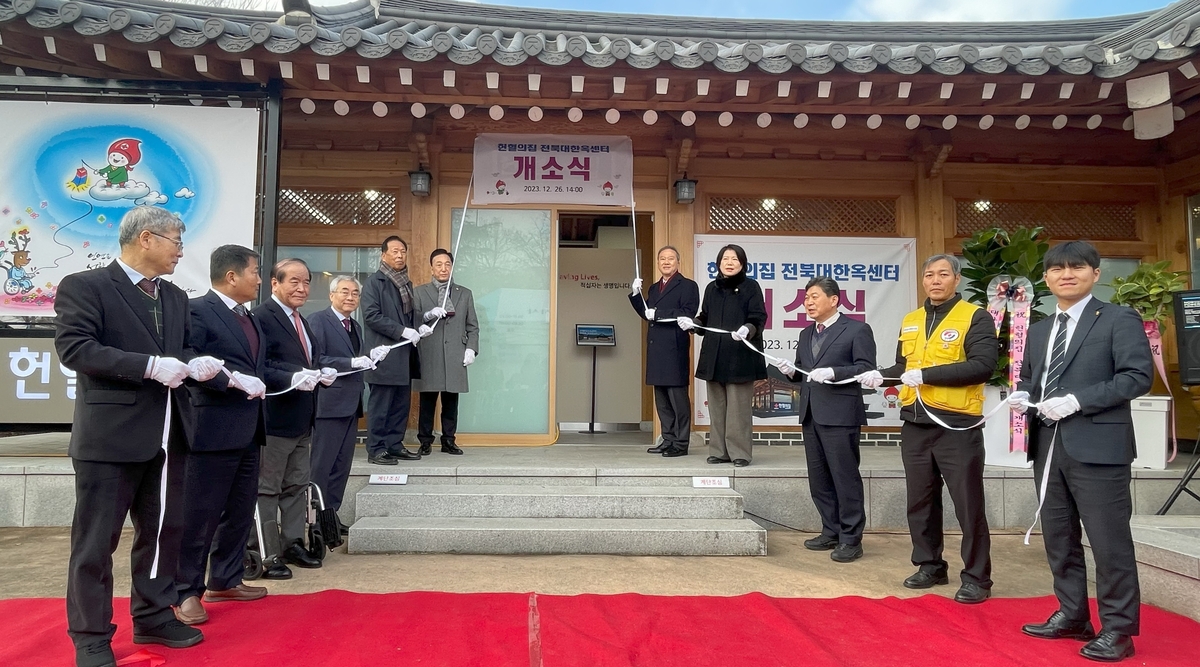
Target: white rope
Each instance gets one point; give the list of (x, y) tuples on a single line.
[(1037, 515), (162, 486)]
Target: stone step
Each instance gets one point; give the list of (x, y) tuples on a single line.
[(626, 537), (507, 501)]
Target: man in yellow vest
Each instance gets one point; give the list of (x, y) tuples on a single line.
[(947, 351)]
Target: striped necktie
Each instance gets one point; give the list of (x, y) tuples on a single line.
[(1058, 358)]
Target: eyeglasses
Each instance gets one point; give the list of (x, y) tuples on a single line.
[(177, 242)]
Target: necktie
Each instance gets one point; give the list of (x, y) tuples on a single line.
[(1058, 357), (300, 335), (148, 286), (347, 327), (817, 338), (240, 310), (820, 328)]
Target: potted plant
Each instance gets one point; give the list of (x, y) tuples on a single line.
[(1150, 291), (996, 252)]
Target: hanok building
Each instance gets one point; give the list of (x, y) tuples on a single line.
[(924, 130)]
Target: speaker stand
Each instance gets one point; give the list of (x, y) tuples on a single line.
[(1182, 487)]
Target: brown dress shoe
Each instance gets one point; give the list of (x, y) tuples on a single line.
[(191, 612), (239, 593)]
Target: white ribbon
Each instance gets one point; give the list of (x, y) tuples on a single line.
[(1037, 515), (162, 486)]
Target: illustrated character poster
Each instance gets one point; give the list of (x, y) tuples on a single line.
[(72, 170)]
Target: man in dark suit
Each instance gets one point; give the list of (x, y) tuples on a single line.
[(292, 355), (221, 481), (833, 348), (668, 349), (1082, 367), (339, 405), (125, 333), (388, 304)]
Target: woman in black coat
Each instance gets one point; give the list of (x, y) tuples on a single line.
[(734, 303)]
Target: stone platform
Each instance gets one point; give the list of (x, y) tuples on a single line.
[(1168, 562), (39, 491)]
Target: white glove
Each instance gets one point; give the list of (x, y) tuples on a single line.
[(741, 334), (1017, 400), (1059, 407), (328, 375), (362, 362), (306, 380), (786, 367), (169, 371), (468, 357), (410, 335), (685, 323), (253, 386), (650, 314), (911, 378), (436, 313), (203, 369), (378, 353), (637, 285), (424, 330), (821, 375), (870, 379)]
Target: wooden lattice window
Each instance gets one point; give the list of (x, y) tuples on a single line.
[(1063, 220), (337, 207), (823, 216)]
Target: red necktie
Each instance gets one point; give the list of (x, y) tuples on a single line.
[(300, 333), (346, 325), (820, 328)]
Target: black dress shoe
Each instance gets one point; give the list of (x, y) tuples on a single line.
[(425, 450), (277, 571), (1058, 626), (658, 449), (675, 451), (716, 459), (405, 455), (1109, 646), (451, 448), (970, 593), (846, 553), (296, 555), (383, 459), (96, 654), (923, 579), (740, 463), (821, 543), (171, 634)]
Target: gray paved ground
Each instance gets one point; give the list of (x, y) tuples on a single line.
[(35, 563)]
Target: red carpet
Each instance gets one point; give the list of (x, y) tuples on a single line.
[(505, 629)]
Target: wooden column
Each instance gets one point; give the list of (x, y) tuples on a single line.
[(932, 226)]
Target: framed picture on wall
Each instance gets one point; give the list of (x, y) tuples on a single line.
[(596, 335)]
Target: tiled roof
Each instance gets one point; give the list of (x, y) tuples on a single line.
[(466, 33)]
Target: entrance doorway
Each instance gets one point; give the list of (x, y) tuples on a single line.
[(596, 267)]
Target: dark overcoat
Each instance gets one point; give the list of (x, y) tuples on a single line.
[(668, 348), (728, 304)]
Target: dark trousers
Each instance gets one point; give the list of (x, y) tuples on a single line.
[(387, 417), (932, 454), (674, 415), (220, 489), (332, 452), (428, 405), (104, 494), (1097, 498), (283, 478), (834, 480)]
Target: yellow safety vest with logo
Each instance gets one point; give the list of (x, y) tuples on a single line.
[(945, 346)]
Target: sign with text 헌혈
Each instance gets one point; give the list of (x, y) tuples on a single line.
[(877, 278), (36, 388), (553, 169)]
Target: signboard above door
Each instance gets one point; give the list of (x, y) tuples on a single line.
[(553, 169)]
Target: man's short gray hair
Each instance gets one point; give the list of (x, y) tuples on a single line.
[(955, 265), (154, 219), (338, 280)]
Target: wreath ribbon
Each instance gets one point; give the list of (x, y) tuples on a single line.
[(1013, 296)]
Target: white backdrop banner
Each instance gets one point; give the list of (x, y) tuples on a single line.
[(71, 170), (552, 169), (878, 281)]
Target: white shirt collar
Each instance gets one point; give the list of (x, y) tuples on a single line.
[(1076, 311), (230, 303), (832, 318), (286, 310), (131, 272)]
